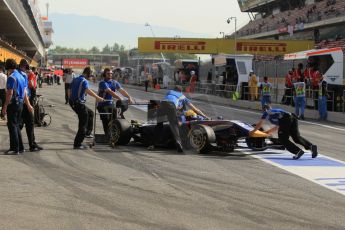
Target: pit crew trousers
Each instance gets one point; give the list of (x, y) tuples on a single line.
[(28, 121), (85, 116), (288, 127), (67, 87), (167, 110), (2, 99), (14, 114)]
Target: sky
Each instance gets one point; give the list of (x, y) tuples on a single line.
[(199, 16)]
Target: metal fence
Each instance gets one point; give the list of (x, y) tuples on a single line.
[(278, 95)]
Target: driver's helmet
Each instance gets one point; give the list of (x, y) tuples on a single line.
[(190, 114)]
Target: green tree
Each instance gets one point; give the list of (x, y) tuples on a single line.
[(106, 49), (116, 47), (94, 50)]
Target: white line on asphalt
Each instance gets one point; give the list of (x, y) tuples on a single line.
[(323, 170)]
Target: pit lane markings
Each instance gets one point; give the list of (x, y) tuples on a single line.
[(323, 170)]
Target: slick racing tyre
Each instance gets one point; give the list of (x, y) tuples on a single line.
[(201, 137), (257, 143), (120, 132)]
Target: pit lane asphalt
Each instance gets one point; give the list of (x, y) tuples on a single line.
[(132, 188)]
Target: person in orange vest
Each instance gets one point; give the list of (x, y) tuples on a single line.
[(307, 75), (298, 73), (315, 78)]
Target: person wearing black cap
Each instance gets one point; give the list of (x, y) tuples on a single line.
[(15, 97), (77, 98), (287, 125), (27, 116)]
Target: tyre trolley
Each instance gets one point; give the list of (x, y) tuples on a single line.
[(116, 113)]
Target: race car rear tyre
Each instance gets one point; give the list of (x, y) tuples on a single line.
[(201, 137), (120, 132)]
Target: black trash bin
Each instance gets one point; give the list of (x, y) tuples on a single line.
[(245, 91)]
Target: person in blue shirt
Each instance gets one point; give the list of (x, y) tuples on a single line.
[(107, 90), (77, 98), (27, 116), (287, 126), (171, 107), (15, 97)]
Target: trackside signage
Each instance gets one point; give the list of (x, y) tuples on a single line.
[(217, 46), (75, 62)]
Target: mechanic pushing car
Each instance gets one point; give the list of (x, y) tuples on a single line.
[(77, 99), (106, 90), (287, 125), (171, 108)]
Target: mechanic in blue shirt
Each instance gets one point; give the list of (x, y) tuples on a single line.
[(77, 98), (172, 106), (107, 90), (287, 125), (27, 116), (15, 97)]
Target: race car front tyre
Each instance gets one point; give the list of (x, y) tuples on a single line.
[(201, 137), (120, 132), (256, 143)]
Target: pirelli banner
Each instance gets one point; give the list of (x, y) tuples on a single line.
[(227, 46)]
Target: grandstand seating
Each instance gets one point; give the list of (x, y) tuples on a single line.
[(307, 14)]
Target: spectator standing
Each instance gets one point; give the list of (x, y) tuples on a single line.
[(67, 79), (32, 84), (28, 117), (298, 73), (209, 76), (322, 100), (300, 98), (77, 99), (265, 88), (315, 79), (165, 81), (146, 82), (288, 88), (253, 86), (15, 97), (3, 80), (40, 80), (192, 81)]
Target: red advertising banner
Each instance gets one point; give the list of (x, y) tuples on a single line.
[(74, 62)]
